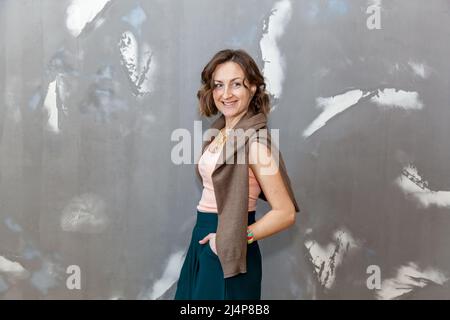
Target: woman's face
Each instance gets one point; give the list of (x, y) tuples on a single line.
[(229, 93)]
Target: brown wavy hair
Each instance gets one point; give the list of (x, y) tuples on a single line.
[(260, 101)]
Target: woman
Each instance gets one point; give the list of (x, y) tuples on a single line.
[(223, 261)]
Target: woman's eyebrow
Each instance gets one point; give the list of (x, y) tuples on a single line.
[(230, 80)]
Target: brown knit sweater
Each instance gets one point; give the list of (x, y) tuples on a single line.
[(230, 182)]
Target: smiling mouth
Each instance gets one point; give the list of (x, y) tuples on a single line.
[(228, 104)]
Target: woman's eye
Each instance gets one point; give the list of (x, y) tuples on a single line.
[(219, 85)]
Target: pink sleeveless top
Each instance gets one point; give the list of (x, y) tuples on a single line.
[(206, 165)]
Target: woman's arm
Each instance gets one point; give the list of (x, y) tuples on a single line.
[(282, 215)]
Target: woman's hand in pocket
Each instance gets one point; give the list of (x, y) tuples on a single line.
[(211, 238)]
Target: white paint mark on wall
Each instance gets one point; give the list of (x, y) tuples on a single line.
[(408, 278), (419, 69), (85, 214), (13, 269), (274, 63), (389, 97), (412, 184), (140, 63), (326, 259), (332, 106), (169, 277), (14, 227), (51, 108), (47, 277), (81, 12), (398, 98)]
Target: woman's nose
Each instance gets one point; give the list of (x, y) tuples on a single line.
[(227, 92)]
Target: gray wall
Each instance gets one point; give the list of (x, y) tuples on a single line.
[(88, 106)]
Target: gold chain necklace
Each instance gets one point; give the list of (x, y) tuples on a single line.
[(219, 141)]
